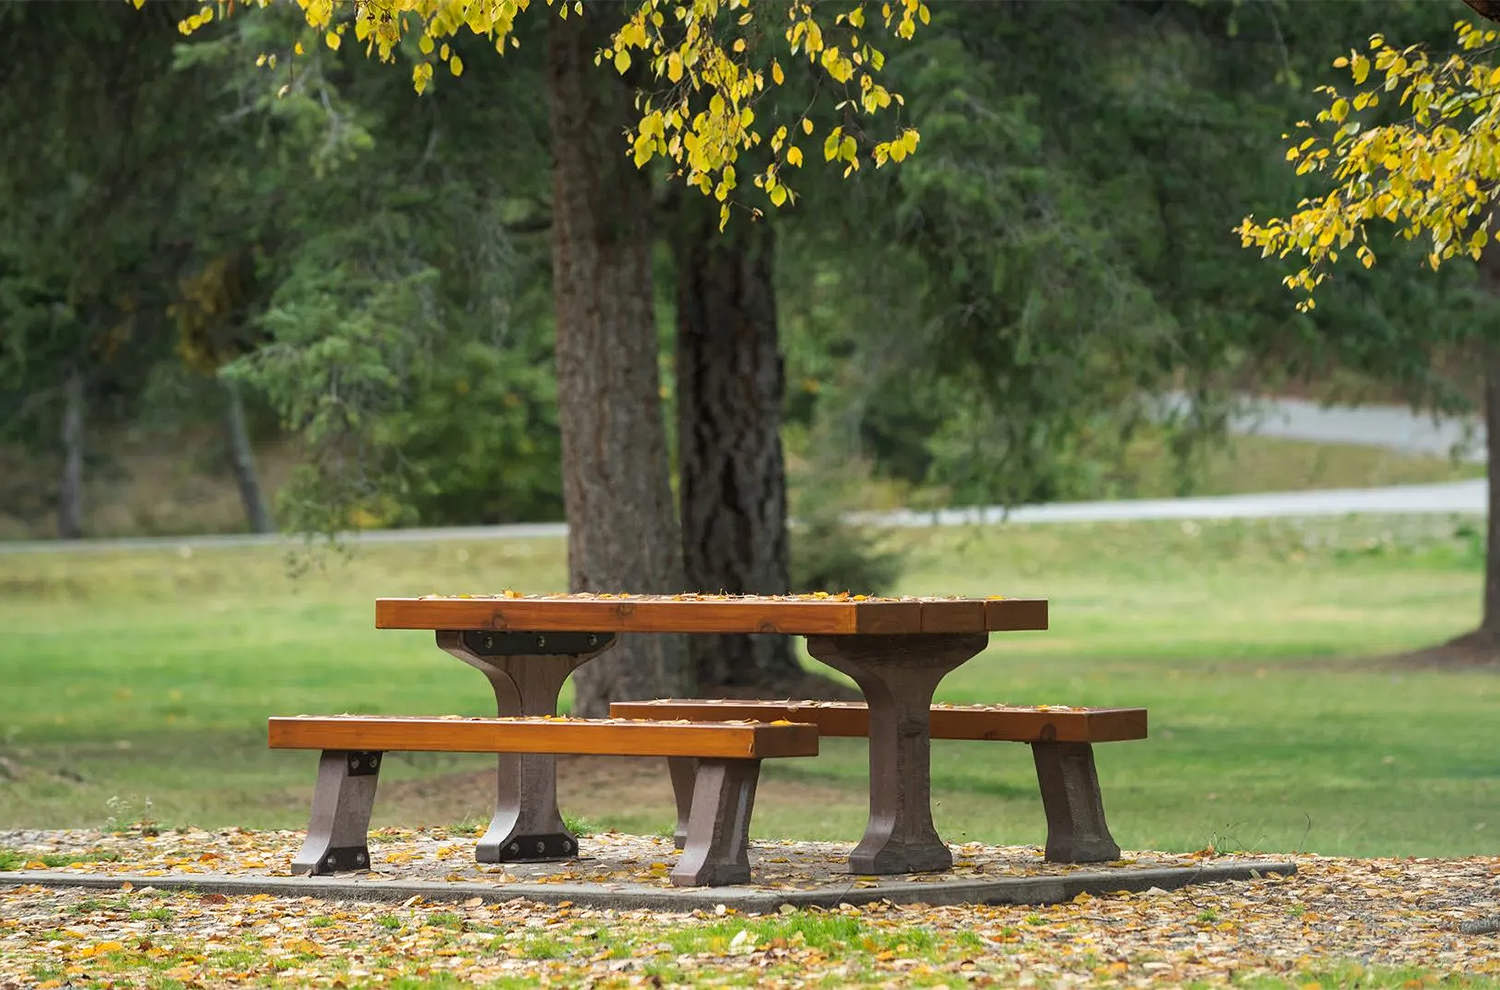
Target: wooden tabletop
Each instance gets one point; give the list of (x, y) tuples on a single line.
[(788, 614)]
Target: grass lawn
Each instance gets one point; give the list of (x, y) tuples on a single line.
[(148, 675)]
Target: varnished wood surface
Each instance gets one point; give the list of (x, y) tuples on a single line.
[(843, 718), (794, 615), (613, 737)]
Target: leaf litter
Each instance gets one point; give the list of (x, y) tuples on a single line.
[(1340, 921)]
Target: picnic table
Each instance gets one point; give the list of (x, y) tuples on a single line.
[(896, 650)]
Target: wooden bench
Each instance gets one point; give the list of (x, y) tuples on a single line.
[(1061, 741), (726, 766)]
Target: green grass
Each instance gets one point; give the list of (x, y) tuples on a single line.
[(1270, 464), (147, 675)]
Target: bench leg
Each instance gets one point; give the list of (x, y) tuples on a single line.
[(338, 833), (1076, 830), (683, 769), (718, 832), (898, 675)]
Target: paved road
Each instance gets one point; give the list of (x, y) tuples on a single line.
[(1395, 427)]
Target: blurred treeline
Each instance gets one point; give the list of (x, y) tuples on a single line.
[(304, 248)]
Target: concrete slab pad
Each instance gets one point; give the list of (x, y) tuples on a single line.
[(615, 870), (747, 900)]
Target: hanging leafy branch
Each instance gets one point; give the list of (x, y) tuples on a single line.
[(711, 65), (1432, 172)]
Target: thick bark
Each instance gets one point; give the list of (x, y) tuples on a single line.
[(1490, 624), (1485, 8), (732, 482), (242, 461), (70, 486), (622, 532)]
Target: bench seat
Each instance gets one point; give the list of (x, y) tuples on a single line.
[(1061, 740), (725, 766)]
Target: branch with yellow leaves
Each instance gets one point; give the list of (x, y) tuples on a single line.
[(1433, 173), (710, 68)]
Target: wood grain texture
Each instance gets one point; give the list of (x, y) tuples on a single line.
[(844, 718), (724, 740), (789, 615)]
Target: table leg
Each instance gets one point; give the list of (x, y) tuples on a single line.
[(527, 824), (898, 675)]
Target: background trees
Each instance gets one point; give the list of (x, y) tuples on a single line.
[(991, 321)]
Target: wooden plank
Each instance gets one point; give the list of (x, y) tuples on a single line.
[(1012, 614), (966, 615), (1042, 723), (615, 737), (788, 615)]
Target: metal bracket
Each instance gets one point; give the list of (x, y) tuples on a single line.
[(342, 858), (503, 644), (363, 763), (531, 848)]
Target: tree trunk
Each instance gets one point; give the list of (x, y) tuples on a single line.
[(622, 533), (242, 460), (1489, 625), (70, 487), (1482, 645), (732, 480)]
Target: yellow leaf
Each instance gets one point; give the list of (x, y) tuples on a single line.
[(1494, 79), (778, 195), (333, 40), (777, 75), (674, 67), (622, 61), (1361, 69), (831, 145), (794, 156), (807, 125), (456, 65)]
